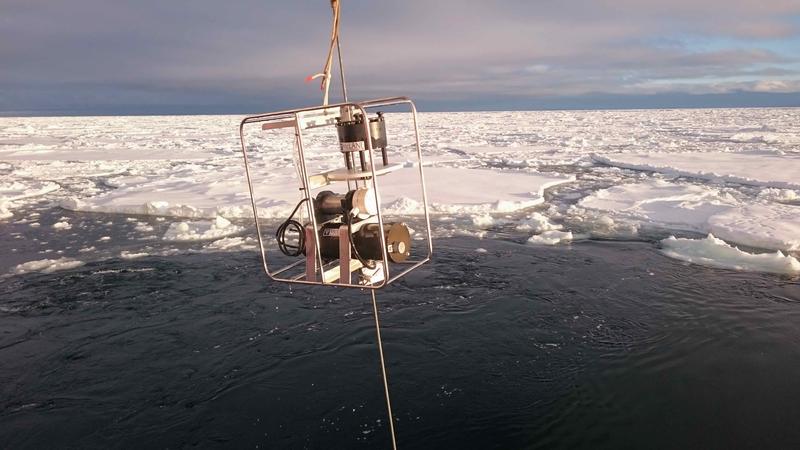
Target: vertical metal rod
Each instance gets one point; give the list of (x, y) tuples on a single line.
[(341, 68), (422, 179), (383, 370), (307, 192)]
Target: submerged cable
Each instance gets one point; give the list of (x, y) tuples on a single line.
[(383, 370)]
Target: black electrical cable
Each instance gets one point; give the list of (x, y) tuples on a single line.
[(286, 248), (365, 263)]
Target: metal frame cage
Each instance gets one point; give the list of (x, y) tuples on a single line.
[(320, 116)]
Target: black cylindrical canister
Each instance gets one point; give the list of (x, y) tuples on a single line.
[(368, 242), (353, 132)]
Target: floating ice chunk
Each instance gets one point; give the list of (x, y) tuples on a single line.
[(537, 223), (143, 227), (715, 252), (231, 243), (47, 265), (201, 231), (483, 220), (62, 226), (551, 237), (132, 255)]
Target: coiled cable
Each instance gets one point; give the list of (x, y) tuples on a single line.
[(290, 224)]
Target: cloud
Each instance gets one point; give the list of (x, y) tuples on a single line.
[(204, 52), (776, 86)]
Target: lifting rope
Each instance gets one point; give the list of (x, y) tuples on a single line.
[(326, 72)]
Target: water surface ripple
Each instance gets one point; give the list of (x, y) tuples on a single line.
[(594, 345)]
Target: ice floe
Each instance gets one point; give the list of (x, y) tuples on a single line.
[(451, 190), (759, 168), (764, 225), (685, 207), (660, 204), (467, 191), (12, 192), (715, 252)]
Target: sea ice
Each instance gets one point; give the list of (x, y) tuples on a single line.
[(467, 191), (772, 226), (481, 169), (483, 220), (62, 226), (12, 192), (685, 207), (201, 230), (660, 204), (715, 252), (551, 237), (537, 223), (759, 168), (232, 243), (132, 255), (47, 265)]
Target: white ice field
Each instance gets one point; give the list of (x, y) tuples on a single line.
[(553, 176)]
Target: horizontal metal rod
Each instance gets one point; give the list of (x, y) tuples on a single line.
[(289, 112), (280, 271), (407, 270)]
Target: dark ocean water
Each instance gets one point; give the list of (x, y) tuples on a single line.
[(593, 345)]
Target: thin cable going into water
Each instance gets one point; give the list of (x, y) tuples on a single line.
[(383, 370)]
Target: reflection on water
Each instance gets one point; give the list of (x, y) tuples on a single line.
[(597, 345)]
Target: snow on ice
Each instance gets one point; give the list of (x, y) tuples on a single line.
[(761, 168)]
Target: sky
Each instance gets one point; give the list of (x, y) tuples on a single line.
[(211, 56)]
